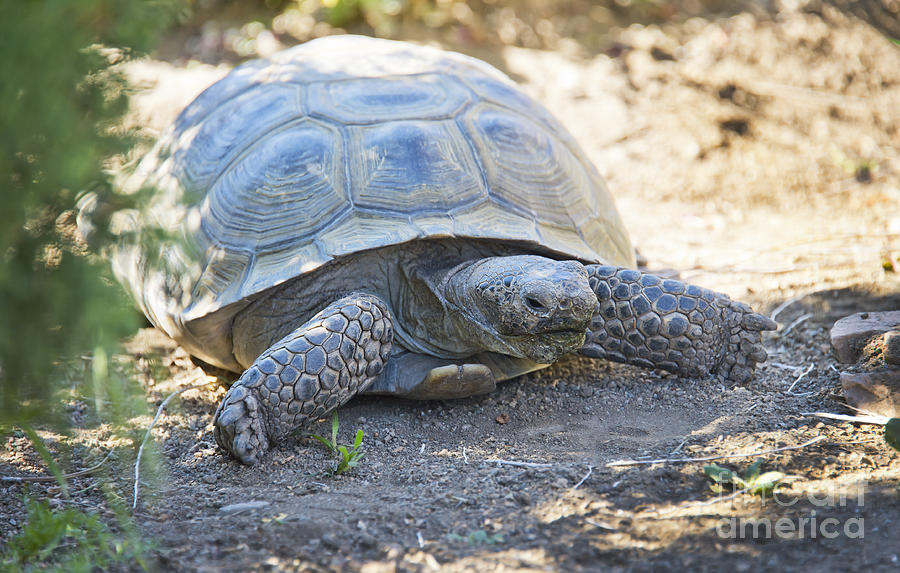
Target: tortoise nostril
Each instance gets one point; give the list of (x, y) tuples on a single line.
[(535, 304)]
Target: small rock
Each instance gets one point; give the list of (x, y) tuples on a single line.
[(331, 541), (522, 498), (238, 507), (365, 540), (875, 392), (892, 347), (502, 418), (209, 478), (850, 334)]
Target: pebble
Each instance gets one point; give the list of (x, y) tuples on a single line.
[(238, 507), (331, 541), (366, 540)]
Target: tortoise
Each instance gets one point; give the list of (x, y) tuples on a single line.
[(356, 215)]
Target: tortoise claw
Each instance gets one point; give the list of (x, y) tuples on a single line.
[(756, 321), (239, 428), (744, 349)]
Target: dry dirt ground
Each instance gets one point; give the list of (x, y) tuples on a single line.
[(758, 154)]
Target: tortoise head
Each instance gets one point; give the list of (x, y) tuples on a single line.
[(524, 306)]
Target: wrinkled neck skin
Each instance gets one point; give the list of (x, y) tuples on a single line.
[(441, 317)]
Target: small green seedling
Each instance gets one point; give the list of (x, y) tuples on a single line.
[(892, 433), (349, 455), (476, 538), (276, 519), (752, 481)]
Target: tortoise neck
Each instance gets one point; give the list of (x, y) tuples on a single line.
[(453, 288), (428, 301)]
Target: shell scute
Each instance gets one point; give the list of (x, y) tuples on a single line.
[(202, 153), (413, 167), (379, 100), (280, 191)]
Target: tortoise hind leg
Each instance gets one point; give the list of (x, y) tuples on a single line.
[(314, 369), (648, 321)]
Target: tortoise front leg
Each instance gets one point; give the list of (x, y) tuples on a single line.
[(649, 321), (306, 374)]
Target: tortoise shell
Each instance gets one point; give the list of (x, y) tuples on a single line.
[(342, 145)]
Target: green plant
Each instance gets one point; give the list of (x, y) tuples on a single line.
[(379, 14), (60, 102), (751, 481), (349, 454), (476, 538), (46, 543)]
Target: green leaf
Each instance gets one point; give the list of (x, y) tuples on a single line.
[(752, 472), (765, 483), (892, 433), (478, 537), (324, 442), (895, 40), (358, 441), (719, 474), (334, 429)]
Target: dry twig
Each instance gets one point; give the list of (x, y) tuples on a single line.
[(799, 378), (795, 324), (36, 479), (519, 464), (587, 475), (621, 463), (784, 305), (137, 462), (864, 419)]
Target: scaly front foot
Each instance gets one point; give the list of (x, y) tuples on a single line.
[(648, 321), (306, 374)]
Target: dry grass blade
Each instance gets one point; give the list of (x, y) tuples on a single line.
[(622, 463), (876, 419), (159, 411), (37, 479), (519, 464)]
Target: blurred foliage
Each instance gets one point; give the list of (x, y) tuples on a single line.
[(228, 28), (60, 99), (45, 543)]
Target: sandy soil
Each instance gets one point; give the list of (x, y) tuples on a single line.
[(758, 154)]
